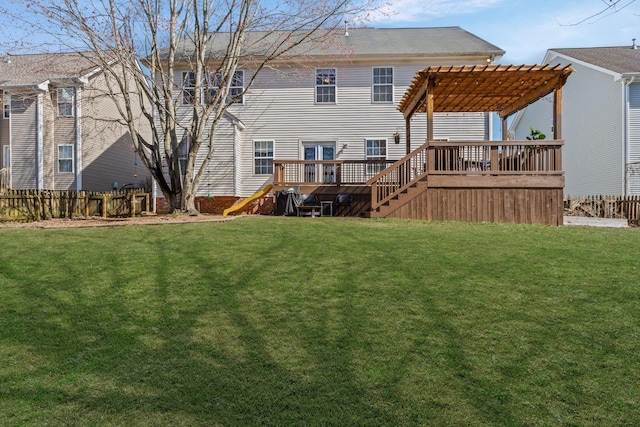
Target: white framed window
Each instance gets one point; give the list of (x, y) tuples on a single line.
[(236, 89), (263, 157), (375, 149), (188, 87), (6, 156), (6, 106), (382, 84), (66, 101), (183, 153), (65, 158), (325, 85)]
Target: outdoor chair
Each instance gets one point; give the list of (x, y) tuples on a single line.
[(344, 199), (310, 203)]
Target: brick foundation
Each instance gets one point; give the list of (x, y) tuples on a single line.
[(217, 204)]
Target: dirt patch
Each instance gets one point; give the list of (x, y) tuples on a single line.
[(117, 222)]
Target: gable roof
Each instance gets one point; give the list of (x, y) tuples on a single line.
[(620, 59), (501, 88), (388, 42), (34, 69)]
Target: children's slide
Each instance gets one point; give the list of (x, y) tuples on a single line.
[(248, 200)]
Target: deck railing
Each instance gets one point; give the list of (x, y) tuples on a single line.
[(467, 158), (326, 172)]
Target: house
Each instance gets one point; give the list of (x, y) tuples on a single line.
[(337, 104), (601, 120), (59, 129)]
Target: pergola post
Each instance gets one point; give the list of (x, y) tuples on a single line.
[(505, 129), (429, 108), (407, 129), (557, 113)]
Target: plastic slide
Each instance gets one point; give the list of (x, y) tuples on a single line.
[(248, 200)]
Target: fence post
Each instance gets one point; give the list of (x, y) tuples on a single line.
[(104, 205), (132, 197)]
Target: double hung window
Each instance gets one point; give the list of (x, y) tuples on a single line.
[(375, 149), (382, 90), (236, 89), (65, 158), (66, 101), (325, 85), (263, 157)]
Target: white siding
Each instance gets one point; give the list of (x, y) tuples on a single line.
[(281, 107), (633, 184), (592, 129)]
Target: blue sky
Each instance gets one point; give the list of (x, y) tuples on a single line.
[(525, 29)]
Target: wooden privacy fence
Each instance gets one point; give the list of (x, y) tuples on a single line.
[(627, 207), (36, 205)]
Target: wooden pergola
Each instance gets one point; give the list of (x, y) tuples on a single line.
[(504, 89)]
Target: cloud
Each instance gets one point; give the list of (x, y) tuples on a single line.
[(421, 10)]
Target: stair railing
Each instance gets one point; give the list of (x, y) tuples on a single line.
[(399, 176)]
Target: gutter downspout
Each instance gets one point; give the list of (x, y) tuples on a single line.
[(40, 142), (626, 131)]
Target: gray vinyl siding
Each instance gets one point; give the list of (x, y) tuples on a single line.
[(281, 107), (23, 144), (633, 183), (218, 177), (108, 156), (284, 110), (49, 158), (64, 134), (592, 128)]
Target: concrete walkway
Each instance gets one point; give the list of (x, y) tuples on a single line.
[(596, 222)]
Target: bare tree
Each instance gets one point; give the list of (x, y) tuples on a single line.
[(610, 7), (140, 44)]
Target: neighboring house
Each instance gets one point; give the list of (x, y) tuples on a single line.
[(338, 101), (601, 123), (59, 129)]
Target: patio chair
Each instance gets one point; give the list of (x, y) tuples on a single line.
[(308, 203), (344, 199)]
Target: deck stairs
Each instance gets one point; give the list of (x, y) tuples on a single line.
[(399, 200), (400, 183)]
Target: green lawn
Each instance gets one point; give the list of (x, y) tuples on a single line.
[(324, 321)]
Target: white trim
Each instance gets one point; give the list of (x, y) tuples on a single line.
[(40, 142), (78, 160), (6, 155), (254, 158), (316, 86), (64, 158), (392, 84)]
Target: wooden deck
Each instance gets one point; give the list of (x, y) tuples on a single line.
[(479, 181)]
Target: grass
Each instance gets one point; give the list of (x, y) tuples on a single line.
[(299, 321)]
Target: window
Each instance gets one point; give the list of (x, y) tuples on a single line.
[(235, 90), (6, 107), (183, 153), (376, 149), (188, 87), (263, 157), (6, 156), (325, 85), (66, 100), (382, 84), (65, 158)]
